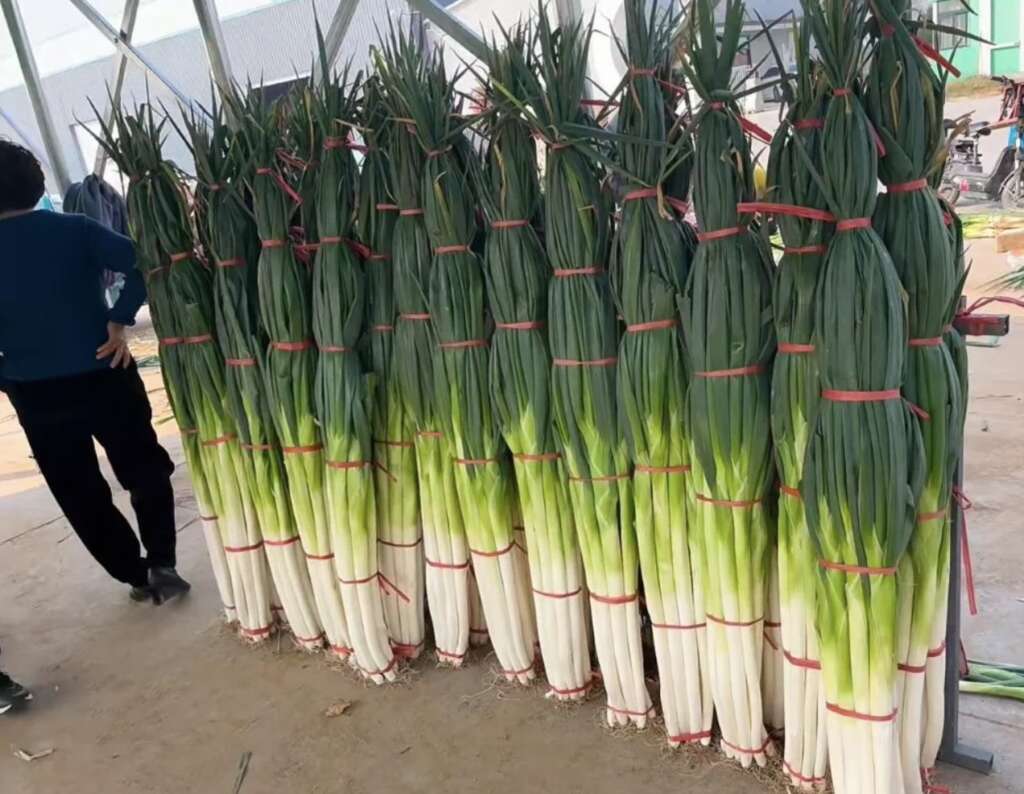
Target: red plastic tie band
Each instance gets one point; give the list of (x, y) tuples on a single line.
[(912, 668), (690, 738), (449, 655), (417, 316), (242, 549), (578, 690), (653, 325), (410, 212), (557, 596), (801, 777), (334, 349), (679, 626), (528, 325), (641, 469), (677, 204), (447, 566), (510, 224), (441, 250), (382, 329), (262, 632), (792, 210), (331, 240), (273, 243), (387, 668), (849, 224), (386, 207), (281, 182), (739, 624), (857, 715), (406, 650), (524, 671), (809, 124), (929, 341), (772, 624), (429, 433), (319, 557), (240, 362), (613, 600), (281, 543), (935, 653), (798, 661), (433, 154), (720, 234), (334, 142), (806, 249), (788, 490), (527, 457), (292, 347), (736, 504), (828, 565), (753, 369), (596, 362), (770, 641), (841, 92), (392, 544), (349, 464), (843, 396), (578, 271), (635, 195), (211, 518), (923, 518), (928, 51), (302, 450), (475, 461), (928, 785), (637, 71), (746, 750), (223, 264), (966, 504), (310, 640), (181, 256), (216, 442), (628, 712), (197, 340), (493, 554), (464, 344), (908, 187), (795, 348)]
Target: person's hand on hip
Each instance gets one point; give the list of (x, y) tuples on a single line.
[(116, 347)]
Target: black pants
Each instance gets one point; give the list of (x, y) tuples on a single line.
[(61, 417)]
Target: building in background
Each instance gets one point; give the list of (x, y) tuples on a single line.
[(1000, 22)]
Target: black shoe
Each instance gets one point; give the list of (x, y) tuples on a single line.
[(166, 585), (141, 594), (12, 694)]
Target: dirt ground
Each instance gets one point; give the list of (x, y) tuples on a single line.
[(138, 699)]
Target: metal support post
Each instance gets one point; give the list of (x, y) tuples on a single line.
[(216, 50), (335, 34), (131, 12), (100, 23), (30, 72), (452, 26)]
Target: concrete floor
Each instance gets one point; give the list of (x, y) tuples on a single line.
[(137, 699)]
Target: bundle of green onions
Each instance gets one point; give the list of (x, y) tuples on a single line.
[(233, 247), (996, 680), (651, 256), (134, 144), (399, 534), (904, 99), (285, 301), (462, 389), (446, 551), (343, 394), (520, 372), (795, 394), (726, 315), (583, 334), (862, 470)]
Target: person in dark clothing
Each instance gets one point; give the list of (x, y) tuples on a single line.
[(69, 374)]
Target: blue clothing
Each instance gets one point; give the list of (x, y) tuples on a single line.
[(52, 312)]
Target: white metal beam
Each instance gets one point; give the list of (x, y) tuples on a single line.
[(216, 49), (131, 12), (452, 26), (30, 72), (100, 23)]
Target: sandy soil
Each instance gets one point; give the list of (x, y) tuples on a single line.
[(138, 699)]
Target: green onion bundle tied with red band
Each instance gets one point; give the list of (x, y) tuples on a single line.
[(904, 98), (727, 323), (583, 334), (518, 279), (343, 391), (285, 300), (863, 466), (403, 67), (795, 393), (651, 255), (399, 534), (462, 388), (233, 249)]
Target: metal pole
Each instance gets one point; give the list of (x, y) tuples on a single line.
[(104, 27), (131, 11), (30, 72), (336, 32), (216, 50), (452, 26)]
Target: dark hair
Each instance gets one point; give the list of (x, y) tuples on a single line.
[(21, 178)]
